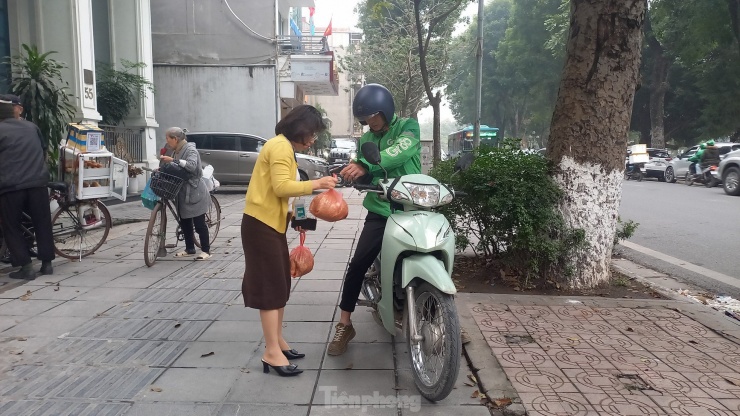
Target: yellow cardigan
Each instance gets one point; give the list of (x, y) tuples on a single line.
[(273, 182)]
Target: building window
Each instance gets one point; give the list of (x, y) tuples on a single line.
[(4, 45)]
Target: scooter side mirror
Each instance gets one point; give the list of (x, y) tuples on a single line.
[(371, 153), (464, 162)]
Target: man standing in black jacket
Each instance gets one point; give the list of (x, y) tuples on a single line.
[(23, 179)]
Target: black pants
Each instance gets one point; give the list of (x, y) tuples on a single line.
[(35, 203), (201, 227), (368, 248)]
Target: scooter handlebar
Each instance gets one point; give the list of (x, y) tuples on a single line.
[(363, 187)]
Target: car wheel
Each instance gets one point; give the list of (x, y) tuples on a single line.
[(731, 181), (687, 179), (303, 175), (669, 176), (661, 178)]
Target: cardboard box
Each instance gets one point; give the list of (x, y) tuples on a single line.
[(84, 138), (638, 148), (639, 158)]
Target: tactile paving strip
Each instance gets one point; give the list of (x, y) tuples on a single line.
[(110, 352), (61, 407), (211, 296), (578, 360), (74, 382)]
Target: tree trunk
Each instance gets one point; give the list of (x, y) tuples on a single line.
[(658, 88), (436, 142), (590, 124)]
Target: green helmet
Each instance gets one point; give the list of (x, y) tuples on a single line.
[(710, 143), (703, 146)]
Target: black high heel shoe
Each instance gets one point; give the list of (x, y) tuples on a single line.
[(282, 370), (292, 354)]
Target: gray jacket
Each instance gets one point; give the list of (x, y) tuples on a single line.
[(193, 199), (22, 157)]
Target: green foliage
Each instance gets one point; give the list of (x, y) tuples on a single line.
[(523, 58), (119, 91), (703, 40), (37, 80), (625, 230), (324, 139), (511, 210)]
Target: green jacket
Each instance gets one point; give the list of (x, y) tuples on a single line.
[(400, 154), (697, 156)]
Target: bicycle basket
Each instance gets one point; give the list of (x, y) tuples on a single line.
[(165, 186)]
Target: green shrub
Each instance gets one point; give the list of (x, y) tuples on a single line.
[(119, 90), (510, 213), (625, 230)]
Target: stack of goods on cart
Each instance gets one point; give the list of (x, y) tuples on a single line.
[(90, 170)]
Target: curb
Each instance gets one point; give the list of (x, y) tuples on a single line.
[(484, 365)]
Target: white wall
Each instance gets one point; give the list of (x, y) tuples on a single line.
[(210, 98)]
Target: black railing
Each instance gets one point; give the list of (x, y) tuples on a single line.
[(125, 143), (303, 45)]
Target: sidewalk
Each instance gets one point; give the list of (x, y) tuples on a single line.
[(596, 356), (109, 336)]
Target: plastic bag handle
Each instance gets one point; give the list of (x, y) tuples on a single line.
[(303, 237)]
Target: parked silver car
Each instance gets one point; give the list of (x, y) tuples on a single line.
[(233, 156), (656, 166), (679, 165), (729, 171)]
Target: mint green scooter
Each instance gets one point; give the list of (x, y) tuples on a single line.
[(411, 281)]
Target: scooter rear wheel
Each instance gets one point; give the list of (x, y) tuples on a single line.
[(435, 360)]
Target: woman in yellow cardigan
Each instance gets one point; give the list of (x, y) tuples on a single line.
[(266, 283)]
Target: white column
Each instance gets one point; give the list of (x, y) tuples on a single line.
[(131, 39), (65, 26)]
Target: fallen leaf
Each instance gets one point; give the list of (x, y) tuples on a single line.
[(502, 402), (516, 289), (475, 395), (56, 289), (574, 339), (243, 370), (177, 325), (482, 397), (472, 378), (21, 339), (208, 354), (156, 389), (629, 329), (469, 384), (26, 296), (16, 351), (349, 366)]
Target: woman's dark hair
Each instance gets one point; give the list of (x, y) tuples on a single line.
[(301, 124)]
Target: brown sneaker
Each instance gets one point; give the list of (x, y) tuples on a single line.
[(343, 334)]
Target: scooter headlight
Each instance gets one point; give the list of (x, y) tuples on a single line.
[(446, 199), (423, 195)]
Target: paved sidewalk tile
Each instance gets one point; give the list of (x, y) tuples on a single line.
[(612, 360)]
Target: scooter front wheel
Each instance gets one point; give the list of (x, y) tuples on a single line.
[(435, 359)]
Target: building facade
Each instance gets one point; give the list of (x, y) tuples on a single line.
[(82, 32), (235, 66)]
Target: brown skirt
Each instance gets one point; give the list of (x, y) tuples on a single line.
[(266, 283)]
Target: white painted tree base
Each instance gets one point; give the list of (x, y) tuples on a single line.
[(591, 203)]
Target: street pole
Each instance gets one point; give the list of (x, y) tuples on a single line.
[(479, 77)]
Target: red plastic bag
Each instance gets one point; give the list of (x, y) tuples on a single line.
[(301, 259), (329, 206)]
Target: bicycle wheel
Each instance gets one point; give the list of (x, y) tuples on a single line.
[(213, 221), (155, 234), (73, 240)]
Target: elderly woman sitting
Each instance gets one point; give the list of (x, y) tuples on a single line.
[(193, 200)]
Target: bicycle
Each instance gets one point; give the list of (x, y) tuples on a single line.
[(167, 187), (79, 227)]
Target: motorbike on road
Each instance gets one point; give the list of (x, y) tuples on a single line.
[(635, 171), (410, 283), (709, 177)]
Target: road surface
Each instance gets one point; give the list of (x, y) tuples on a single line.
[(694, 224)]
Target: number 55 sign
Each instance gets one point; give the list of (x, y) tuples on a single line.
[(88, 89)]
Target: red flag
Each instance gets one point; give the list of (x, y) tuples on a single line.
[(327, 32), (311, 10)]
